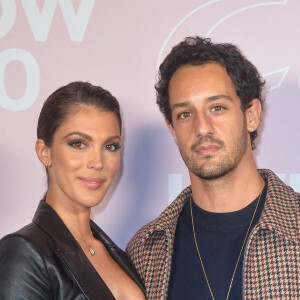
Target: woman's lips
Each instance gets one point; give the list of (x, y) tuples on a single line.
[(92, 183)]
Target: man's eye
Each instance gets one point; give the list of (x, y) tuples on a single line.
[(184, 115), (77, 144), (218, 108), (112, 147)]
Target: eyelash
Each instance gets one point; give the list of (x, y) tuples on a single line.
[(115, 146), (72, 144), (218, 106), (180, 116)]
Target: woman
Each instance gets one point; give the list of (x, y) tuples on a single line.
[(62, 254)]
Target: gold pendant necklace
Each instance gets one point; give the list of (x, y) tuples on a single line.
[(91, 250), (236, 265)]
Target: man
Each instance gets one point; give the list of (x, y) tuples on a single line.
[(234, 233)]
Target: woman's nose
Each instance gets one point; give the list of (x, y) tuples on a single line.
[(95, 160)]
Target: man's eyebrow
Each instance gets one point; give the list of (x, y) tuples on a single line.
[(180, 105), (210, 98), (217, 97)]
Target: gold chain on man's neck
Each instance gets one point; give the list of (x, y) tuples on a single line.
[(212, 295)]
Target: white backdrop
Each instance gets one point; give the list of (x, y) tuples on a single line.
[(119, 44)]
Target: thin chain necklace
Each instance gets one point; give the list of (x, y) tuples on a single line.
[(91, 250), (236, 265)]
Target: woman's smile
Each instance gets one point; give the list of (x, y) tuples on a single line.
[(92, 182)]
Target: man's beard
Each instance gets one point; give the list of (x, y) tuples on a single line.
[(224, 166)]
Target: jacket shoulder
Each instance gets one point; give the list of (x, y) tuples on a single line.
[(25, 268), (141, 235), (135, 247), (30, 234), (166, 220)]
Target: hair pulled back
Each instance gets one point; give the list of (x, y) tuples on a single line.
[(61, 103)]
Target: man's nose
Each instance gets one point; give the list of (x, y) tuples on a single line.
[(203, 125)]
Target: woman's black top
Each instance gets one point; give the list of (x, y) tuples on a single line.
[(44, 261)]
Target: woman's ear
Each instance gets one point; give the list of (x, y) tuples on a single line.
[(43, 152), (252, 114)]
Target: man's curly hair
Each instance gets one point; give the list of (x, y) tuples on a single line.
[(198, 51)]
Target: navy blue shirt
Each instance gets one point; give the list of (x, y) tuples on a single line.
[(220, 237)]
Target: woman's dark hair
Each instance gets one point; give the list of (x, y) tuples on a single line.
[(63, 101), (198, 51)]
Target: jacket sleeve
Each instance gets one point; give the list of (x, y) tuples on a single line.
[(136, 254), (23, 273)]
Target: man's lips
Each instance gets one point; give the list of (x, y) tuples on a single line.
[(207, 149), (92, 182)]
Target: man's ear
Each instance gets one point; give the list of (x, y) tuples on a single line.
[(43, 152), (171, 128), (252, 114)]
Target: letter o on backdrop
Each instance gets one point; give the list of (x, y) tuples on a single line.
[(32, 75)]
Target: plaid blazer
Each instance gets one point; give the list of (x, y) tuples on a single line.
[(271, 265)]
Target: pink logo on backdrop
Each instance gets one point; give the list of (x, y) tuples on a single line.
[(40, 21), (275, 76)]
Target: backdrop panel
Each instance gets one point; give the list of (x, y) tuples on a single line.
[(118, 45)]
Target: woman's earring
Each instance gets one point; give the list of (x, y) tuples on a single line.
[(47, 163)]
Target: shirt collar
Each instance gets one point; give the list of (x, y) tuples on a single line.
[(279, 213)]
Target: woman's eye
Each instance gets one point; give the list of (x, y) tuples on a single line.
[(77, 144), (218, 108), (112, 147), (184, 115)]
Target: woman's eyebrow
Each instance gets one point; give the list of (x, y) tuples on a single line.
[(84, 135)]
